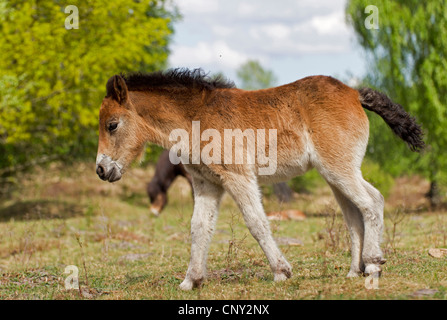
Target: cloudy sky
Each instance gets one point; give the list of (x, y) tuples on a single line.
[(293, 38)]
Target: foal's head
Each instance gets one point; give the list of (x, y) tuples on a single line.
[(121, 134)]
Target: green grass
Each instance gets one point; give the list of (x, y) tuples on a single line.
[(67, 216)]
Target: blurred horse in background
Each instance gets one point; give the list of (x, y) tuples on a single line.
[(165, 174)]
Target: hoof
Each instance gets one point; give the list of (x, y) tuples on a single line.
[(354, 274), (189, 284), (372, 269), (280, 277), (186, 285), (283, 273), (155, 212)]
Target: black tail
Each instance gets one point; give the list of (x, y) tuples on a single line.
[(402, 124)]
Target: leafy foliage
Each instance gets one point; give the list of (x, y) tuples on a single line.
[(52, 80), (379, 178), (407, 56), (253, 76)]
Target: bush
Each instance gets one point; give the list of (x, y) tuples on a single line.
[(307, 182), (380, 179), (52, 80)]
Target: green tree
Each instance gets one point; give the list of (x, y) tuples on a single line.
[(52, 80), (253, 76), (408, 59)]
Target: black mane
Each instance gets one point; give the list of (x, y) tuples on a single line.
[(175, 78)]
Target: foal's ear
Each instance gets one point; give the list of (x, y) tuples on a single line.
[(117, 89)]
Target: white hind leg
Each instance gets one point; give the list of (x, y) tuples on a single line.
[(354, 221), (370, 203), (375, 232)]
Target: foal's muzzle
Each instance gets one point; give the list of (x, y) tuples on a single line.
[(107, 169)]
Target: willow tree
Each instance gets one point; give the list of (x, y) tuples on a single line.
[(407, 57)]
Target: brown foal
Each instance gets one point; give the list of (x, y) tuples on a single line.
[(318, 122)]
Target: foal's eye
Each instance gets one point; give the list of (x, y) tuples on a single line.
[(112, 126)]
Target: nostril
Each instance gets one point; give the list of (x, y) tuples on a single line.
[(100, 171)]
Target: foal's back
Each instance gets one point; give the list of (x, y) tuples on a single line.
[(319, 121)]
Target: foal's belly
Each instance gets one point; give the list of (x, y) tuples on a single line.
[(287, 166), (292, 166)]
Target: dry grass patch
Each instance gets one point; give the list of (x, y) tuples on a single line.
[(61, 217)]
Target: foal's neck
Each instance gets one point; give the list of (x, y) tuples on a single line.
[(163, 111)]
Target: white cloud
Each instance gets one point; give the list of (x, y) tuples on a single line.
[(191, 7), (228, 56), (277, 31), (219, 35), (245, 9), (218, 53), (330, 24), (222, 31), (321, 34)]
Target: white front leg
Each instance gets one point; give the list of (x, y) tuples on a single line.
[(207, 198), (245, 191)]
